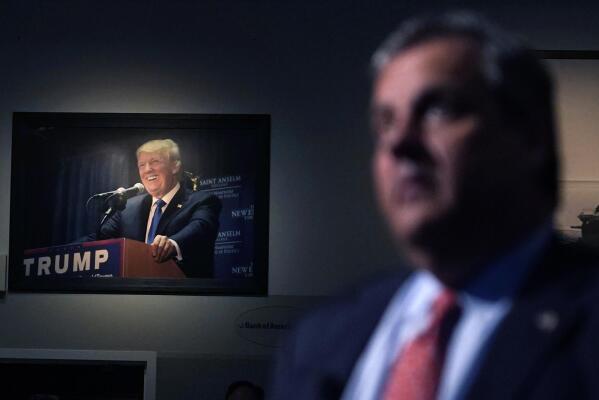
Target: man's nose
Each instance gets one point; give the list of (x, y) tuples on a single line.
[(407, 142), (147, 167)]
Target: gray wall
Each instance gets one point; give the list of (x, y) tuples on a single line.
[(305, 64)]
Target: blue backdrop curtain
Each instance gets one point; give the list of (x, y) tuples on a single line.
[(78, 178)]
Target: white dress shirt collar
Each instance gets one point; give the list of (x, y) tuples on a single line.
[(169, 196)]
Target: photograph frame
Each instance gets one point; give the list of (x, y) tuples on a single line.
[(576, 215), (256, 126)]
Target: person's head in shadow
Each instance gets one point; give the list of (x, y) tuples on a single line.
[(244, 390)]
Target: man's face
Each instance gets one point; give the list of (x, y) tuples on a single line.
[(439, 154), (157, 173)]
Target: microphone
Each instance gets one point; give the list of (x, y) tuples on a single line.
[(134, 190)]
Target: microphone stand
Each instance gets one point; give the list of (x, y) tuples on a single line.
[(116, 202)]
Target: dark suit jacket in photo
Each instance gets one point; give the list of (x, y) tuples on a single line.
[(190, 219), (547, 347)]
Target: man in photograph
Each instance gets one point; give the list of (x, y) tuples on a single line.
[(178, 223), (465, 169)]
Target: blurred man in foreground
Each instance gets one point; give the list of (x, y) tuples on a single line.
[(465, 169)]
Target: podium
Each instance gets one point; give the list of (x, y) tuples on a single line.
[(123, 258), (137, 262)]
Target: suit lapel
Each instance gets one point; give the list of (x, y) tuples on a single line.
[(518, 348), (544, 312), (172, 209), (142, 218), (349, 339)]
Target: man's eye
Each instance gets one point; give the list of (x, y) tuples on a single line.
[(443, 112), (383, 121), (438, 113)]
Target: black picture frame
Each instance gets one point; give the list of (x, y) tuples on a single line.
[(238, 144)]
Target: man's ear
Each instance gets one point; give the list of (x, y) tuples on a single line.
[(176, 167)]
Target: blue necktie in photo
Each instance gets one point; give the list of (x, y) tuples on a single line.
[(155, 220)]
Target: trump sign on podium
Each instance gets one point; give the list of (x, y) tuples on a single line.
[(123, 258)]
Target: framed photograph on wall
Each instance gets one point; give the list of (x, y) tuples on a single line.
[(140, 203), (576, 75)]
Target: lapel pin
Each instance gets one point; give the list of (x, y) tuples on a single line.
[(547, 321), (179, 205)]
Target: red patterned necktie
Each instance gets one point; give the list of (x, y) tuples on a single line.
[(417, 369)]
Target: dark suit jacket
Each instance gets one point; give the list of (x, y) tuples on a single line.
[(547, 347), (190, 219)]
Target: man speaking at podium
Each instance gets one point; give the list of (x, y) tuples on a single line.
[(179, 224)]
